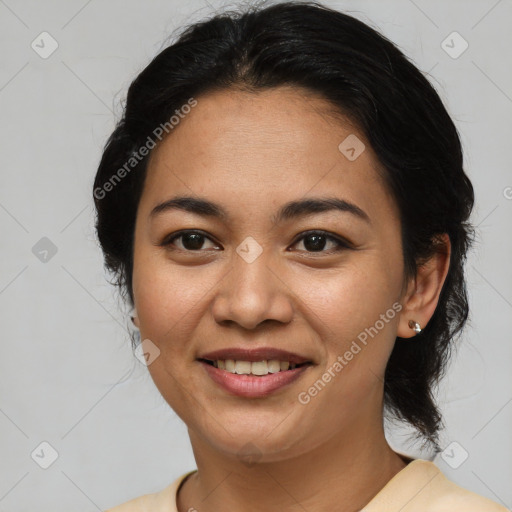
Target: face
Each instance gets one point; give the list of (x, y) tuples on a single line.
[(261, 265)]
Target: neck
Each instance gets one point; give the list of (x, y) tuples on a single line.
[(342, 474)]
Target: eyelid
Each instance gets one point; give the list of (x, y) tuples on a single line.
[(342, 243), (169, 239)]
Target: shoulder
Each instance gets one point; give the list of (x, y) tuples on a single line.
[(162, 501), (422, 487), (449, 496)]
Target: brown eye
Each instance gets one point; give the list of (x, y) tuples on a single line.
[(316, 241), (190, 241)]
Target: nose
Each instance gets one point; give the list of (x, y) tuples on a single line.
[(251, 294)]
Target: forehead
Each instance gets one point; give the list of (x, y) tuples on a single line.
[(265, 148)]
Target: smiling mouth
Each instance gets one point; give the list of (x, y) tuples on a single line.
[(254, 368)]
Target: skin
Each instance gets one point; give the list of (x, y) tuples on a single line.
[(251, 154)]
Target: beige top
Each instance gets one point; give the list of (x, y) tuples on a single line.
[(419, 487)]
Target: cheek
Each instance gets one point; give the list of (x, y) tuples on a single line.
[(166, 295), (349, 300), (354, 314)]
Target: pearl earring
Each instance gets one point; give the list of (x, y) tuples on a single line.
[(415, 326)]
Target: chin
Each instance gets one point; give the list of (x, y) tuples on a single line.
[(257, 441)]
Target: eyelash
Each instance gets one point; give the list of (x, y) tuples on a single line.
[(341, 244)]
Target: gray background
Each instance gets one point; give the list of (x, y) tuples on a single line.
[(67, 373)]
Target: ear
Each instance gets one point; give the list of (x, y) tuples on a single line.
[(423, 290)]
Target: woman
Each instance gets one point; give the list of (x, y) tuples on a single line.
[(284, 205)]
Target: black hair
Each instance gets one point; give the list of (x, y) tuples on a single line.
[(365, 77)]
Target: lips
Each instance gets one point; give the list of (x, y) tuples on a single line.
[(253, 373), (254, 355)]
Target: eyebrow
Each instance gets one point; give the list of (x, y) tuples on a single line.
[(292, 209)]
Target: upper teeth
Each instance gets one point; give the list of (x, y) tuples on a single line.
[(254, 368)]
